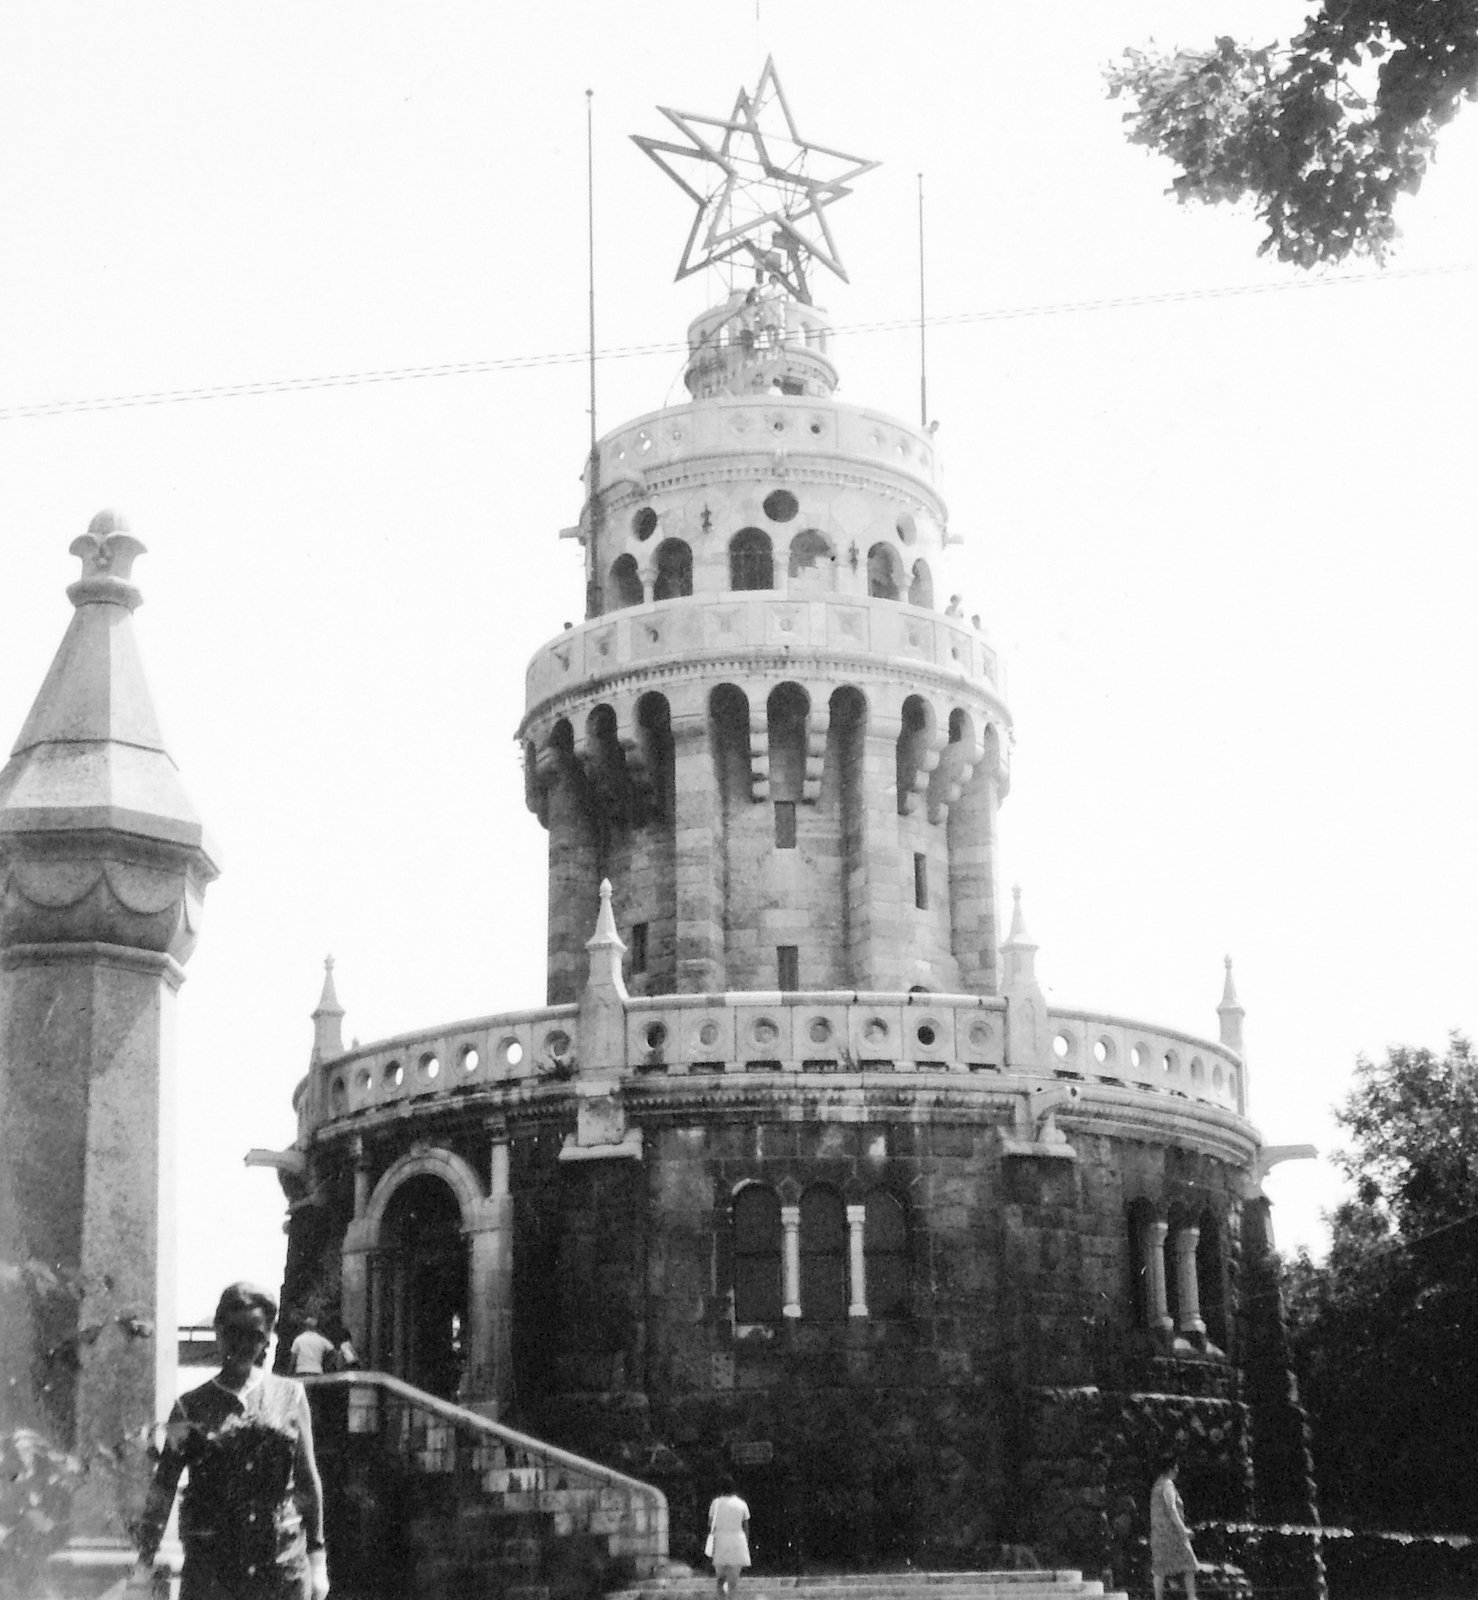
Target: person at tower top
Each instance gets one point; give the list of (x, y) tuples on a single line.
[(251, 1518)]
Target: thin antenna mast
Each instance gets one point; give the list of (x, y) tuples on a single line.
[(590, 242), (593, 476), (923, 345)]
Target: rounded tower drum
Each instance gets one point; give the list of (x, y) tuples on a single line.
[(782, 751)]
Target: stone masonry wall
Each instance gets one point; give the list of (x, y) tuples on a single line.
[(1020, 1287)]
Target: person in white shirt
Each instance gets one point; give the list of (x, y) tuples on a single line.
[(728, 1538), (309, 1349)]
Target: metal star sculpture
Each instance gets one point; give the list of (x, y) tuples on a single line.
[(761, 190)]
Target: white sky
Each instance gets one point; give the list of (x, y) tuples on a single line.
[(1226, 543)]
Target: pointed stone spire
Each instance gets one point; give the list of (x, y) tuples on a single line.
[(1026, 1006), (91, 754), (103, 871), (602, 1046), (328, 1019), (1018, 938), (1231, 1013)]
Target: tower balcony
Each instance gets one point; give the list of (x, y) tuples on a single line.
[(725, 435), (691, 635), (838, 1052)]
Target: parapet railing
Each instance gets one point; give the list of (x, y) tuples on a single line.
[(842, 1031), (421, 1495), (799, 617)]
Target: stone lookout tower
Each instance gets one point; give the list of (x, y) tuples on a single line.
[(796, 1172)]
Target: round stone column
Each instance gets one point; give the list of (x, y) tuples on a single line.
[(103, 870)]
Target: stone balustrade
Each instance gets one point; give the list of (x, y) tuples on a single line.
[(793, 427), (839, 1032), (690, 631)]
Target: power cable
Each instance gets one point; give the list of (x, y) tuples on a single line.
[(455, 369)]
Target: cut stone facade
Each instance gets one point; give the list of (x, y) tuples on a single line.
[(796, 1172)]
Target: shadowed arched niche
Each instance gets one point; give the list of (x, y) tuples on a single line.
[(421, 1318)]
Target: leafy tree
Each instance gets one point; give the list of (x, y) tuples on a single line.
[(1323, 134), (1383, 1331)]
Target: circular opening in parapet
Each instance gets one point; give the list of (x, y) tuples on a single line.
[(1136, 1056), (819, 1030), (980, 1034), (510, 1052), (1103, 1051), (1232, 1082), (338, 1091), (470, 1058), (1198, 1071), (557, 1043), (365, 1081), (816, 427), (908, 529), (781, 505), (644, 523), (1171, 1063), (926, 1034), (875, 1031), (656, 1035), (708, 1034), (430, 1066), (763, 1031), (1062, 1045), (1218, 1077), (394, 1075)]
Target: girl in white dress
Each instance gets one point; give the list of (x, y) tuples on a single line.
[(728, 1538)]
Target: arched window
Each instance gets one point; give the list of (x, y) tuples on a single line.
[(674, 570), (882, 572), (913, 745), (751, 564), (624, 588), (823, 1256), (885, 1251), (1211, 1280), (1144, 1280), (786, 712), (921, 589), (811, 565), (758, 1293)]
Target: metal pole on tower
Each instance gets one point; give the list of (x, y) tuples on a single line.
[(593, 474), (923, 346)]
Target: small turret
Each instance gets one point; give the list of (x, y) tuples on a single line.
[(328, 1019), (603, 1001), (1026, 1006), (1230, 1012)]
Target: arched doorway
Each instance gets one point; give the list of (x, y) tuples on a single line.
[(421, 1331)]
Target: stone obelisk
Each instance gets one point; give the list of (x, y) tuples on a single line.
[(103, 869)]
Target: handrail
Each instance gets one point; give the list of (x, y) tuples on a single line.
[(478, 1423)]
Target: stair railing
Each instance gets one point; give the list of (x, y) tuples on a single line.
[(421, 1495)]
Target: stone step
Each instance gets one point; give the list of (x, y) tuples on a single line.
[(1059, 1584)]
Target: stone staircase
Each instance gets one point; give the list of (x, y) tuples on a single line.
[(1053, 1584), (426, 1501)]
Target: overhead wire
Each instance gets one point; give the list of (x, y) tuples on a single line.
[(454, 369)]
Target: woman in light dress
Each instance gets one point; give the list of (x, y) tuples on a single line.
[(251, 1519), (728, 1538), (1170, 1537)]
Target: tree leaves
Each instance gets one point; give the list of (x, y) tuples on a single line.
[(1382, 1331), (1321, 136)]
